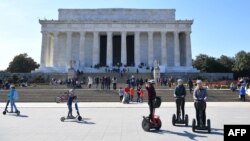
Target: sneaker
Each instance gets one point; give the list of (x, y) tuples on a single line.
[(72, 117)]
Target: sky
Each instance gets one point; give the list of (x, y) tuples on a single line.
[(221, 27)]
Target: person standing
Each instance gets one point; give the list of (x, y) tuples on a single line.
[(71, 97), (200, 94), (138, 93), (97, 81), (121, 93), (90, 82), (141, 95), (180, 94), (126, 95), (114, 81), (132, 93), (190, 85), (242, 93)]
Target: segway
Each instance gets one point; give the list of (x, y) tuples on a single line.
[(6, 111), (201, 106), (78, 117), (179, 120), (154, 121)]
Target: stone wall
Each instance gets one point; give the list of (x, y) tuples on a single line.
[(117, 14), (208, 76)]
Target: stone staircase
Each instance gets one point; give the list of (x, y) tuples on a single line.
[(92, 95)]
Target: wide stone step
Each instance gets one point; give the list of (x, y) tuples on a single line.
[(49, 95)]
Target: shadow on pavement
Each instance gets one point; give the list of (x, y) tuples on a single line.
[(83, 121), (14, 115), (214, 131), (23, 116), (187, 134)]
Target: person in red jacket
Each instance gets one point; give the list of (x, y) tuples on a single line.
[(151, 95)]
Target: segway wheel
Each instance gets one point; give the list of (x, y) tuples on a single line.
[(186, 120), (4, 112), (18, 113), (146, 125), (193, 125), (62, 119), (208, 126), (158, 127), (79, 118), (173, 119)]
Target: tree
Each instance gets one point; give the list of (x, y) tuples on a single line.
[(227, 63), (199, 62), (206, 63), (22, 64), (241, 65)]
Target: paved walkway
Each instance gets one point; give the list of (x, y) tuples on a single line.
[(114, 122)]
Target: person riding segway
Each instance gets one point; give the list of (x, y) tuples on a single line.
[(152, 121), (180, 94), (200, 96)]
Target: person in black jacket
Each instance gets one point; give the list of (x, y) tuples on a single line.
[(179, 94), (151, 96)]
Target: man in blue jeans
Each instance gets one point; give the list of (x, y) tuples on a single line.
[(12, 97), (71, 97)]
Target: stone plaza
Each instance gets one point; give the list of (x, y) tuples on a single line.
[(115, 122), (113, 37)]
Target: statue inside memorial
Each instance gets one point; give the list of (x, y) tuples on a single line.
[(71, 70), (156, 71), (156, 64)]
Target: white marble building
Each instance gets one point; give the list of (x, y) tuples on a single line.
[(89, 37)]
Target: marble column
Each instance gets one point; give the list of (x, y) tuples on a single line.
[(163, 48), (44, 49), (188, 49), (96, 49), (55, 49), (150, 49), (81, 51), (124, 49), (68, 50), (176, 49), (50, 50), (109, 60), (137, 49)]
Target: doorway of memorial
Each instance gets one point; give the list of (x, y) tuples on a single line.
[(116, 50), (130, 50), (103, 50)]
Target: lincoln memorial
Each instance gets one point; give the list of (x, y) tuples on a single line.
[(84, 38)]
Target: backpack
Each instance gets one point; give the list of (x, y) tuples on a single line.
[(157, 102)]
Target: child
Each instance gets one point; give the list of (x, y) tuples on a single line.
[(71, 97), (132, 92), (141, 95), (121, 93), (138, 93)]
